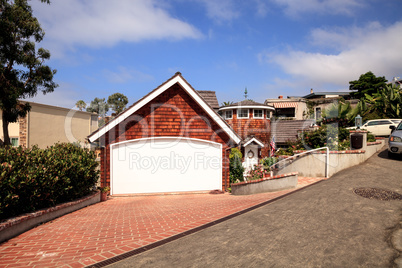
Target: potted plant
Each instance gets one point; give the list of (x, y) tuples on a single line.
[(104, 191)]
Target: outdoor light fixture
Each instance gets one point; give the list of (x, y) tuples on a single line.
[(358, 121)]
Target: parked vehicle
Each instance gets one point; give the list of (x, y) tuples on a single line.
[(379, 127), (395, 140)]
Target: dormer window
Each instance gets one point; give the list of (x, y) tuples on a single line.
[(228, 114), (258, 113), (242, 113)]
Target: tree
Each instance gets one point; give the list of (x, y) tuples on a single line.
[(368, 83), (387, 102), (80, 105), (236, 169), (227, 103), (117, 102), (98, 106), (22, 69)]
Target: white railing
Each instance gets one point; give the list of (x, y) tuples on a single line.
[(307, 152)]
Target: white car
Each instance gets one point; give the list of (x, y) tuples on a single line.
[(379, 127)]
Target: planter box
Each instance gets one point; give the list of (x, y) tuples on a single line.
[(270, 184)]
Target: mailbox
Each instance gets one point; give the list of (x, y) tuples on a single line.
[(356, 141)]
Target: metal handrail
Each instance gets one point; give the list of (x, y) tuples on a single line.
[(307, 152)]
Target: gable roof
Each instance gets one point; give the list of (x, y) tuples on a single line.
[(210, 97), (251, 139), (176, 79)]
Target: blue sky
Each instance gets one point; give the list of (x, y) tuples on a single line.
[(272, 47)]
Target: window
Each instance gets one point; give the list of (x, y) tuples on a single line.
[(285, 112), (384, 122), (373, 123), (242, 113), (228, 114), (14, 142), (258, 113)]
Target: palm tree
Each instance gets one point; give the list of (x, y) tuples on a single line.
[(226, 103)]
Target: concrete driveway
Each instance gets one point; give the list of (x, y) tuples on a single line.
[(325, 225)]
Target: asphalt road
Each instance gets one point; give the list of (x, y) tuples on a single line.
[(325, 225)]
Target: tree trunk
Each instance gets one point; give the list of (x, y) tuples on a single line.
[(5, 131)]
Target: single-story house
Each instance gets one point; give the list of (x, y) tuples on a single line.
[(45, 125), (171, 140)]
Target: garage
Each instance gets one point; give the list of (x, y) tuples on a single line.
[(171, 140), (165, 164)]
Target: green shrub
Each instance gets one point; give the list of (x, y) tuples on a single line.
[(333, 137), (370, 137), (235, 166), (32, 179), (266, 162)]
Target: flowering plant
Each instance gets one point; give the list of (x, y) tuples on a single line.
[(256, 173)]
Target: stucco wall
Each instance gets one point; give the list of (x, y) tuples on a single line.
[(313, 165), (13, 128), (49, 124), (300, 108)]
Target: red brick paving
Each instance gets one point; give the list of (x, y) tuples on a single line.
[(121, 224)]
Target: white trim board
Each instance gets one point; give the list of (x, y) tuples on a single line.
[(255, 140)]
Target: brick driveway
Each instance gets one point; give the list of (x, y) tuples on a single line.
[(120, 225)]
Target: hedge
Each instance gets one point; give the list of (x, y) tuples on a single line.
[(32, 179)]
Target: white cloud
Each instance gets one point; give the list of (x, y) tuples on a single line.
[(220, 11), (359, 50), (261, 8), (102, 23), (296, 7), (123, 75)]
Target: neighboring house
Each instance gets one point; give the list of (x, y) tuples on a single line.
[(171, 140), (290, 108), (310, 106), (45, 125), (320, 101), (251, 120)]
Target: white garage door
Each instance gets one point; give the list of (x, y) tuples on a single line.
[(168, 164)]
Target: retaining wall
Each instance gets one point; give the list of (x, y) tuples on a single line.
[(313, 165), (270, 184)]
